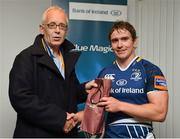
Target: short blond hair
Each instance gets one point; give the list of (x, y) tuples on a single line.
[(55, 7)]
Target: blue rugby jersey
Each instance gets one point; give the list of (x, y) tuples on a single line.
[(132, 85)]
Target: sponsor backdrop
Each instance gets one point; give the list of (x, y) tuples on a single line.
[(89, 24)]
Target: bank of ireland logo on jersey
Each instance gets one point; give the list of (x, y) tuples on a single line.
[(121, 82), (136, 75)]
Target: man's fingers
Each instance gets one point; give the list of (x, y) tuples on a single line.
[(69, 116), (69, 125)]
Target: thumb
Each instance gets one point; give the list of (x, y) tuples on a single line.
[(69, 116)]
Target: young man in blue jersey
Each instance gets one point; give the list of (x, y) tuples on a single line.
[(139, 91)]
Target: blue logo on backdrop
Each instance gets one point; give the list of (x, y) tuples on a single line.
[(115, 12)]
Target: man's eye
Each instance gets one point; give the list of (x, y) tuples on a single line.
[(62, 25), (114, 40), (124, 38), (52, 24)]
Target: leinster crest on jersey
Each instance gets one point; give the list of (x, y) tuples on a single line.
[(136, 75)]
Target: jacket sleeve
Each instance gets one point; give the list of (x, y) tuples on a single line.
[(25, 101)]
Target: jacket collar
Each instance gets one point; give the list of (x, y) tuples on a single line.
[(70, 57)]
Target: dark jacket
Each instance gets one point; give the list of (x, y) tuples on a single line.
[(40, 95)]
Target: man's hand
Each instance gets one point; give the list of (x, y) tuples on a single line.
[(110, 104), (78, 117), (89, 85), (70, 123)]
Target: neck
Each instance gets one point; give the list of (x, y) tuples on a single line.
[(55, 49), (123, 63)]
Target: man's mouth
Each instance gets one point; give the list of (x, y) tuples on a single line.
[(56, 38), (120, 51)]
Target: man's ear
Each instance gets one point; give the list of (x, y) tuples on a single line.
[(41, 29), (135, 43)]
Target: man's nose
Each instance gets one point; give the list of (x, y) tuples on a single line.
[(119, 43), (57, 29)]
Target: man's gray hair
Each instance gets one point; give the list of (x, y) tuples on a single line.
[(55, 7)]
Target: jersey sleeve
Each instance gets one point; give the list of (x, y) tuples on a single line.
[(101, 74), (155, 78)]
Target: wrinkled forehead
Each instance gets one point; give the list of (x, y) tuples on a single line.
[(56, 15)]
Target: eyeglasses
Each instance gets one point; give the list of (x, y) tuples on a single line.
[(53, 25)]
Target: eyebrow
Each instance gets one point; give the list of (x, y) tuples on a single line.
[(122, 38)]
